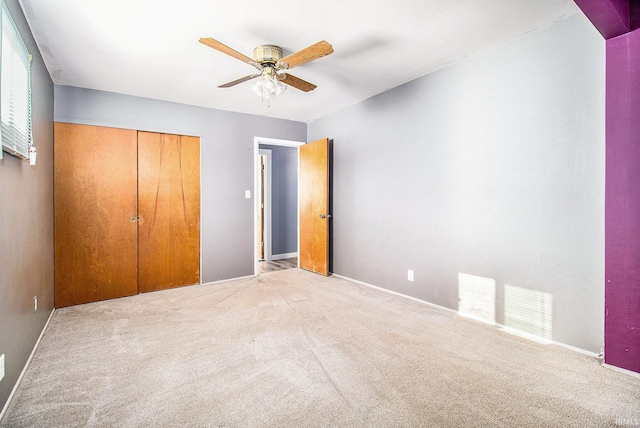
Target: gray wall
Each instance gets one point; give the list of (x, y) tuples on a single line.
[(26, 228), (494, 167), (284, 198), (227, 145)]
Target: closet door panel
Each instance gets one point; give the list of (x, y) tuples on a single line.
[(95, 188), (169, 210)]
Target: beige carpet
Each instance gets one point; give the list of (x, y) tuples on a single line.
[(294, 349)]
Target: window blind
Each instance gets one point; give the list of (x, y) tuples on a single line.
[(15, 89)]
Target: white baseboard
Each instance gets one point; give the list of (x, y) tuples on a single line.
[(24, 369), (500, 326), (525, 335), (222, 281), (578, 350), (625, 371), (546, 341), (283, 256), (366, 284)]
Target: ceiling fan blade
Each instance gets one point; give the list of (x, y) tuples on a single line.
[(212, 43), (308, 54), (296, 82), (240, 80)]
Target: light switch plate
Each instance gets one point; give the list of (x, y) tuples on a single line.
[(247, 194), (1, 367)]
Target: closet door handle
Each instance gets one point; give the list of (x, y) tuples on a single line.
[(134, 219)]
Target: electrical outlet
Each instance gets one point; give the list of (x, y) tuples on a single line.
[(1, 367), (35, 303), (410, 275)]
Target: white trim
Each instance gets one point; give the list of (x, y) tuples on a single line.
[(544, 341), (621, 370), (574, 349), (276, 142), (283, 256), (298, 207), (475, 318), (256, 151), (268, 243), (366, 284), (24, 369), (525, 335), (500, 326), (222, 281)]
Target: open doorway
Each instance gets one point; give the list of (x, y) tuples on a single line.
[(276, 223)]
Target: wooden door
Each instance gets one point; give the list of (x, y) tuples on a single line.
[(314, 206), (95, 182), (169, 210)]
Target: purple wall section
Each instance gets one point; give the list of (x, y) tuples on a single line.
[(617, 21), (635, 14), (610, 17), (622, 203)]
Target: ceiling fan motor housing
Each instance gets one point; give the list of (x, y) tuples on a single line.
[(267, 54)]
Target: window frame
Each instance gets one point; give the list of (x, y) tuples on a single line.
[(14, 138)]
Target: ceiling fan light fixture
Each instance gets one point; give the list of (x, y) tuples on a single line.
[(268, 85)]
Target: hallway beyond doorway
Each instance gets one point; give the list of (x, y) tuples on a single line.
[(276, 265)]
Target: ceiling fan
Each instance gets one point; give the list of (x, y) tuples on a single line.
[(271, 66)]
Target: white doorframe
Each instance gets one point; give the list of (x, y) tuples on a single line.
[(256, 150), (267, 203)]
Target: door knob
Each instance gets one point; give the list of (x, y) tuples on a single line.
[(323, 216)]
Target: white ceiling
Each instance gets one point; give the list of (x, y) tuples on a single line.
[(150, 48)]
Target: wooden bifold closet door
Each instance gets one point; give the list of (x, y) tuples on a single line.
[(127, 212), (95, 181), (169, 209)]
